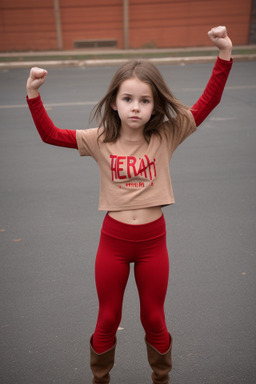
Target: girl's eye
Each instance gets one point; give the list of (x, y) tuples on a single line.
[(145, 101), (127, 98)]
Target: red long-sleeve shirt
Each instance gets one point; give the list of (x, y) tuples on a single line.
[(67, 138)]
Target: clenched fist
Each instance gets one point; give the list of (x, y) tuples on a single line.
[(219, 37), (36, 79)]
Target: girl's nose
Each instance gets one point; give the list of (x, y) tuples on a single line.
[(135, 106)]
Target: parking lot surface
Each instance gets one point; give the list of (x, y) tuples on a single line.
[(50, 226)]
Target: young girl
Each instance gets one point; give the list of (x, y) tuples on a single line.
[(141, 124)]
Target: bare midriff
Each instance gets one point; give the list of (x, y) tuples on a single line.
[(137, 216)]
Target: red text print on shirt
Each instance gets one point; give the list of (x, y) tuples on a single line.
[(128, 167)]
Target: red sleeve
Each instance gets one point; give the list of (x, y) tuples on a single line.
[(213, 91), (49, 133)]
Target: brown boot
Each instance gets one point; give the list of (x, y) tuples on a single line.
[(101, 364), (161, 363)]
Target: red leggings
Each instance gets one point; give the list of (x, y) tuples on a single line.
[(145, 246)]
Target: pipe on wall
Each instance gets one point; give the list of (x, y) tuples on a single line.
[(58, 24), (126, 23)]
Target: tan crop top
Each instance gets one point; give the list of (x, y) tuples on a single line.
[(134, 175)]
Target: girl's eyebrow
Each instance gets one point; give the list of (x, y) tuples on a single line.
[(129, 94)]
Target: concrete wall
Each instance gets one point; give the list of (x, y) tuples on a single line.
[(31, 24)]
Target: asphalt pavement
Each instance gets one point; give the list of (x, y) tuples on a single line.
[(50, 226)]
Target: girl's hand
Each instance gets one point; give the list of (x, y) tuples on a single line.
[(219, 37), (36, 78)]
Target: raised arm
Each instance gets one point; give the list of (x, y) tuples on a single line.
[(49, 133), (214, 89)]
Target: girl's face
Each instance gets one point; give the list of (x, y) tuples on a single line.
[(134, 104)]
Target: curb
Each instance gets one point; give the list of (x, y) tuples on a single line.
[(116, 62)]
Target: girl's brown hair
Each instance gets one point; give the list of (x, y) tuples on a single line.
[(166, 106)]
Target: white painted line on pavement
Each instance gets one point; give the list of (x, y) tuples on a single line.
[(50, 105), (84, 103)]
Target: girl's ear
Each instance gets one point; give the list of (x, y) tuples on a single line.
[(113, 106)]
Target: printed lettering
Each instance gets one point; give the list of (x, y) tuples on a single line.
[(135, 185), (128, 167), (131, 161), (120, 162), (116, 167), (142, 168), (113, 167), (149, 167)]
